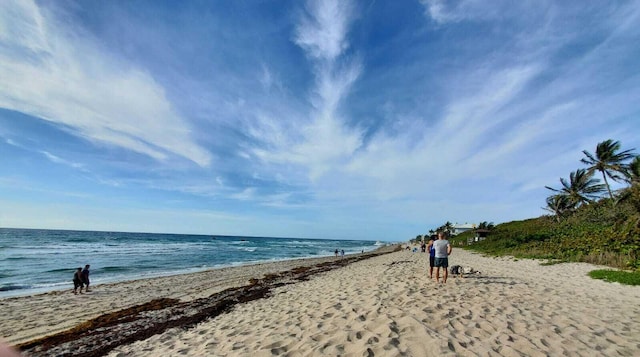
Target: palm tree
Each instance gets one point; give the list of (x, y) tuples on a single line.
[(448, 227), (609, 162), (581, 188), (486, 225), (558, 204), (633, 171)]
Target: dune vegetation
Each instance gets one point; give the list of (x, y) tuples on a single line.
[(588, 221)]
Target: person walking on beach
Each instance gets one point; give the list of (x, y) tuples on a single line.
[(432, 255), (442, 249), (77, 281), (85, 277), (336, 252), (342, 253)]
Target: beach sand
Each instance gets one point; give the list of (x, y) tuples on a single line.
[(31, 317), (382, 306)]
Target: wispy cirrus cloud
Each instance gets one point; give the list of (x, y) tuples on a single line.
[(58, 74), (59, 160), (329, 119), (323, 140), (443, 11), (516, 116), (322, 29)]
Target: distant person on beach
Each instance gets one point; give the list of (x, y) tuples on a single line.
[(342, 253), (85, 277), (442, 251), (336, 252), (432, 255), (77, 281)]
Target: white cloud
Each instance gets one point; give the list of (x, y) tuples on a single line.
[(506, 125), (437, 150), (323, 140), (443, 11), (12, 143), (266, 78), (59, 160), (248, 194), (322, 33), (468, 128), (58, 74)]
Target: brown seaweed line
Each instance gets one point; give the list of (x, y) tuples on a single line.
[(100, 335)]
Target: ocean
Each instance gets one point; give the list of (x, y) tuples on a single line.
[(35, 260)]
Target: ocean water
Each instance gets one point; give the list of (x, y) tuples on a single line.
[(34, 261)]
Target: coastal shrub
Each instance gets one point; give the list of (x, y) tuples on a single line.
[(599, 233), (461, 239), (622, 277)]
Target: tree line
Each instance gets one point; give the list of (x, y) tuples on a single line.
[(448, 229)]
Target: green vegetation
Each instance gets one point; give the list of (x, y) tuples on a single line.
[(622, 277), (589, 222)]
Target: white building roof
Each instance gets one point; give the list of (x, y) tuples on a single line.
[(464, 226)]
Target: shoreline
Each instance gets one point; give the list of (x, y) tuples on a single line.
[(383, 305), (56, 311), (17, 293)]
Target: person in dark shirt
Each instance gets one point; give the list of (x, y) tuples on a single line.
[(77, 281), (85, 277), (432, 255)]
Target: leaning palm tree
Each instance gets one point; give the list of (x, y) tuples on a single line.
[(559, 205), (608, 161), (580, 189), (633, 171)]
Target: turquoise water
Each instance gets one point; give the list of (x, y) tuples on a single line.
[(33, 261)]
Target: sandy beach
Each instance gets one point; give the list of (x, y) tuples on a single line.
[(381, 306)]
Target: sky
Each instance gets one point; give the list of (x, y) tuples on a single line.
[(331, 119)]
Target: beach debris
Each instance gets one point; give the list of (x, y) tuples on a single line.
[(99, 336)]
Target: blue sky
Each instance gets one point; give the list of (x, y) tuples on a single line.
[(328, 119)]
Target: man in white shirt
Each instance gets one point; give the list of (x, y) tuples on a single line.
[(443, 250)]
